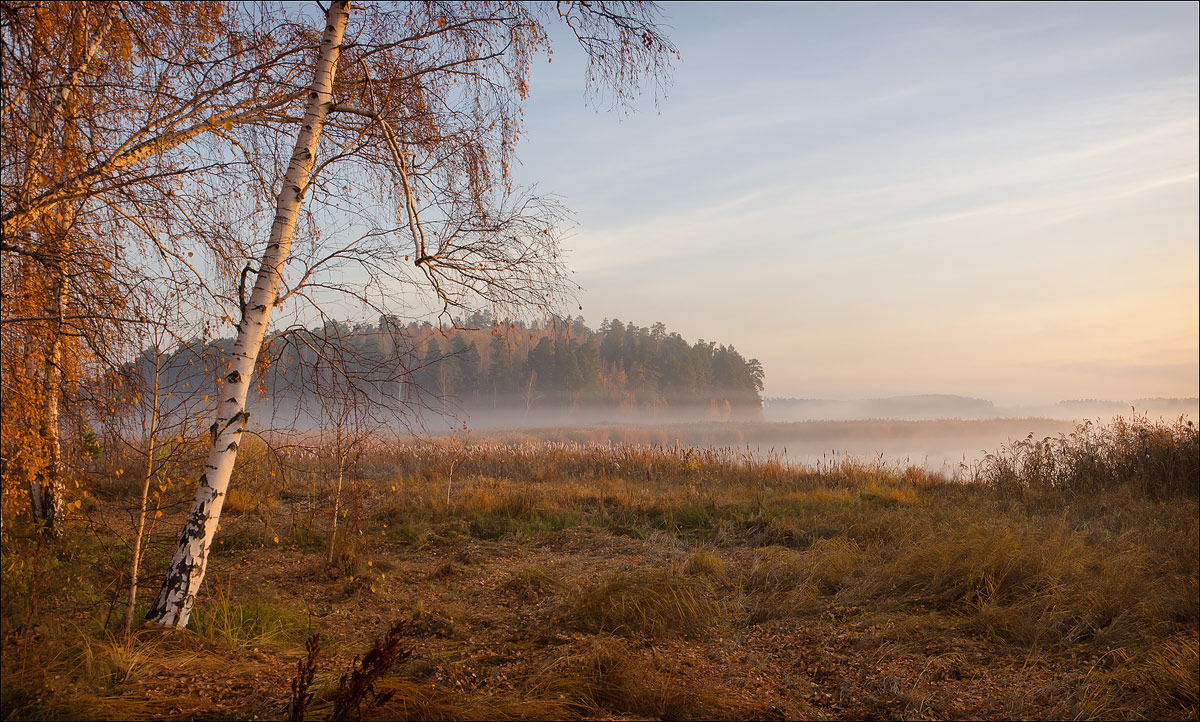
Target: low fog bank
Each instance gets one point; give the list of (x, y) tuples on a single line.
[(521, 417), (930, 407), (438, 417), (949, 446), (947, 434), (944, 434), (944, 406)]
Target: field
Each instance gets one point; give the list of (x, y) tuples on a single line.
[(565, 579)]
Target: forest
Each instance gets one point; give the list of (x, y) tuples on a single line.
[(479, 363)]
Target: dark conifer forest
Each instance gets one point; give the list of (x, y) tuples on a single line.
[(482, 363)]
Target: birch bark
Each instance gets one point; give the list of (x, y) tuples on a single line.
[(178, 594)]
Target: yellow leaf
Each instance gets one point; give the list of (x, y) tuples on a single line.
[(158, 513), (276, 540)]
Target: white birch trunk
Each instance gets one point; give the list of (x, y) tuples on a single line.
[(178, 594)]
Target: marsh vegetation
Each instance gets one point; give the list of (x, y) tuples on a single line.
[(540, 580)]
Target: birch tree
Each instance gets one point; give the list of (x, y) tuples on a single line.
[(37, 281), (104, 107), (420, 104), (178, 594)]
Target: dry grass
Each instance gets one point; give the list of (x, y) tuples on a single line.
[(707, 564), (782, 583), (1156, 458), (645, 604), (583, 581), (607, 676), (529, 583), (1164, 678)]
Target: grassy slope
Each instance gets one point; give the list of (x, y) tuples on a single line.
[(635, 582)]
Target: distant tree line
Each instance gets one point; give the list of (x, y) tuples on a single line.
[(491, 363), (481, 362)]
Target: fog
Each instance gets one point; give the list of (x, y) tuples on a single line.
[(940, 433), (946, 434), (945, 406), (949, 446)]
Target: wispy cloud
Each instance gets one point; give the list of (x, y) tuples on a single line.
[(971, 184)]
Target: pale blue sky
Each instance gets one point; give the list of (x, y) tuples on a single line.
[(990, 200)]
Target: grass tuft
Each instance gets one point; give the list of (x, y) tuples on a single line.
[(608, 677), (646, 603), (529, 583), (244, 620), (701, 563)]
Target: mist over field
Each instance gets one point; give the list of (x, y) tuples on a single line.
[(950, 447), (939, 433)]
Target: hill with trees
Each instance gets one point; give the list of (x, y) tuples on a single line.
[(481, 364), (556, 364)]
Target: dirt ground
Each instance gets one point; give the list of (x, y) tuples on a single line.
[(487, 629)]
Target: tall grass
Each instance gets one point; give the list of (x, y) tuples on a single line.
[(1155, 458)]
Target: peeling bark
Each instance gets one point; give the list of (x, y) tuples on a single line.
[(186, 572)]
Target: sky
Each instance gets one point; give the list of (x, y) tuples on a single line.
[(988, 200)]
